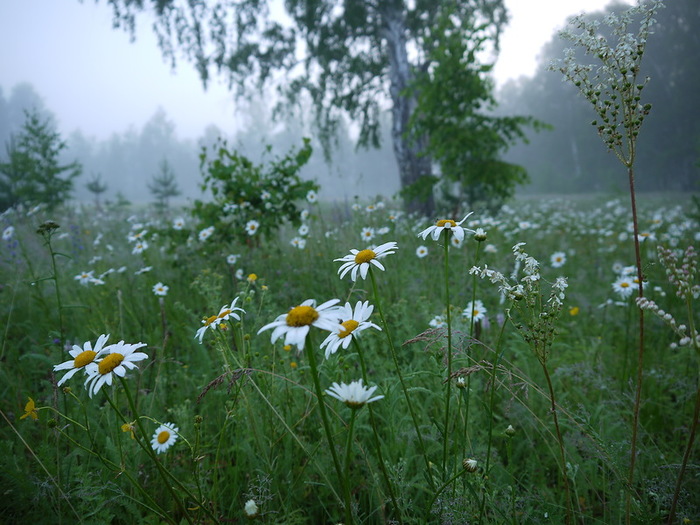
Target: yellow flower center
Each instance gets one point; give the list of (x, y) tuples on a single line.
[(84, 358), (446, 223), (224, 313), (624, 285), (210, 320), (110, 362), (301, 316), (349, 326), (163, 436), (364, 256)]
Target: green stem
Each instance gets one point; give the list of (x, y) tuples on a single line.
[(640, 356), (448, 392), (348, 452), (377, 441), (327, 428), (492, 394), (404, 388)]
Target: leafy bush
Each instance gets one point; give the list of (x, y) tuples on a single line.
[(248, 199)]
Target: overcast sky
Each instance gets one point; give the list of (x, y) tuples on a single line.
[(93, 78)]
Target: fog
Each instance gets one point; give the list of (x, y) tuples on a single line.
[(122, 110)]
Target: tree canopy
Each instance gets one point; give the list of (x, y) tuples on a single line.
[(352, 59)]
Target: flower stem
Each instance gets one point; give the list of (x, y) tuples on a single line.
[(640, 355), (404, 388), (448, 392), (327, 429), (377, 441)]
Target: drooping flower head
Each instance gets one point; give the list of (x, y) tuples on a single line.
[(164, 437), (295, 324), (456, 228), (360, 260), (353, 322), (82, 357), (120, 357), (355, 395)]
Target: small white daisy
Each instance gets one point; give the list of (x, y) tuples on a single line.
[(81, 357), (178, 223), (446, 224), (251, 508), (84, 277), (361, 260), (160, 289), (624, 286), (355, 395), (295, 324), (7, 233), (206, 233), (251, 227), (475, 310), (139, 247), (120, 357), (232, 259), (225, 313), (164, 437), (367, 234), (353, 322), (421, 252), (558, 259), (311, 196)]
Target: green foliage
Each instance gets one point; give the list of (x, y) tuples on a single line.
[(454, 111), (243, 192), (32, 172), (163, 186)]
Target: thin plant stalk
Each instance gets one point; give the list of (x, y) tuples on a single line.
[(448, 392), (327, 429), (693, 425), (404, 388), (377, 441), (640, 352)]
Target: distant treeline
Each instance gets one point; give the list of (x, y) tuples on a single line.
[(129, 159), (572, 158)]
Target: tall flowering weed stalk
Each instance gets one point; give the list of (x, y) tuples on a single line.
[(681, 269), (613, 86), (536, 319)]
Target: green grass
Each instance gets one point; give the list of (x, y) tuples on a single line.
[(248, 416)]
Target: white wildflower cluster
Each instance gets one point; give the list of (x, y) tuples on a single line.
[(681, 330), (612, 85), (525, 292), (681, 274)]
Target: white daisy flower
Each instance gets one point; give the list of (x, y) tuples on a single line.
[(421, 252), (232, 259), (120, 357), (367, 234), (251, 508), (298, 242), (311, 196), (164, 437), (7, 233), (353, 322), (251, 227), (226, 312), (355, 395), (206, 233), (361, 260), (624, 286), (558, 259), (160, 289), (81, 357), (139, 247), (295, 324), (84, 277), (475, 310), (178, 223), (303, 230), (438, 322), (446, 224)]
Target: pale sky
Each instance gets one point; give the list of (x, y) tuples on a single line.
[(93, 78)]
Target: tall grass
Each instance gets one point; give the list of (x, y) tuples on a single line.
[(248, 411)]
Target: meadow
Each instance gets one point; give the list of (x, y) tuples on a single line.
[(498, 378)]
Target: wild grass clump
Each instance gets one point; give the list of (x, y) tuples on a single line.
[(467, 378)]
